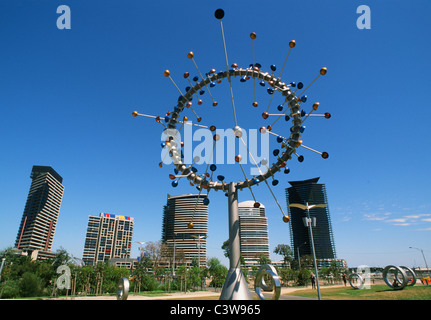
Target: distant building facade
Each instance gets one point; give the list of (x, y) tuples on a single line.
[(178, 212), (39, 220), (253, 233), (109, 236), (311, 192)]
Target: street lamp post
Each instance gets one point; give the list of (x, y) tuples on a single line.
[(310, 229), (199, 247), (173, 264), (426, 265), (141, 249)]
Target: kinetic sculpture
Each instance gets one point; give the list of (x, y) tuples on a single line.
[(235, 287)]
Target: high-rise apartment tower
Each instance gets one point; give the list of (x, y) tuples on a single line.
[(39, 220), (108, 236), (178, 212), (253, 233)]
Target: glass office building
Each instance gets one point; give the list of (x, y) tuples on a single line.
[(314, 193)]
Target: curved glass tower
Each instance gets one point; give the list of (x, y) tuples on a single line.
[(314, 193)]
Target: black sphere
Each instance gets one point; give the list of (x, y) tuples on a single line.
[(219, 14)]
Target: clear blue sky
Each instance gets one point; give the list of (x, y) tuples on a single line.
[(66, 98)]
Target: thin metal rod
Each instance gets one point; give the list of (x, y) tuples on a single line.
[(309, 85), (266, 182), (170, 78), (197, 117), (167, 152), (307, 115), (154, 117), (225, 51), (283, 114), (252, 194), (251, 156), (267, 169), (196, 66), (227, 70), (254, 79), (147, 115), (182, 93), (193, 124), (191, 85), (281, 72), (315, 115), (272, 96), (200, 184), (196, 203), (301, 145), (274, 197)]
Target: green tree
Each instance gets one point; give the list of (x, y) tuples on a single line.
[(149, 283), (263, 259), (303, 276), (307, 261), (335, 270), (9, 289), (287, 275), (194, 277), (217, 271), (84, 279), (285, 251), (30, 285), (325, 273), (138, 276), (62, 257)]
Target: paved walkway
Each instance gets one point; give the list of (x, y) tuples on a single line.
[(198, 295)]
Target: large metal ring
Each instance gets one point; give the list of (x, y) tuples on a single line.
[(398, 283), (263, 284), (414, 279), (123, 289), (360, 279), (259, 282), (278, 85)]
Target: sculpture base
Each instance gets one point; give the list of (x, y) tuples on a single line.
[(235, 287)]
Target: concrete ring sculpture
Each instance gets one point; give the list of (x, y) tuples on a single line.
[(260, 284), (398, 284), (360, 279), (123, 289)]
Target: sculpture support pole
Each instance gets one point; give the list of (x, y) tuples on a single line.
[(235, 286), (234, 241)]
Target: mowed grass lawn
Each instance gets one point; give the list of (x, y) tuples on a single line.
[(376, 292)]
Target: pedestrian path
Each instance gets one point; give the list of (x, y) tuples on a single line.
[(199, 295)]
